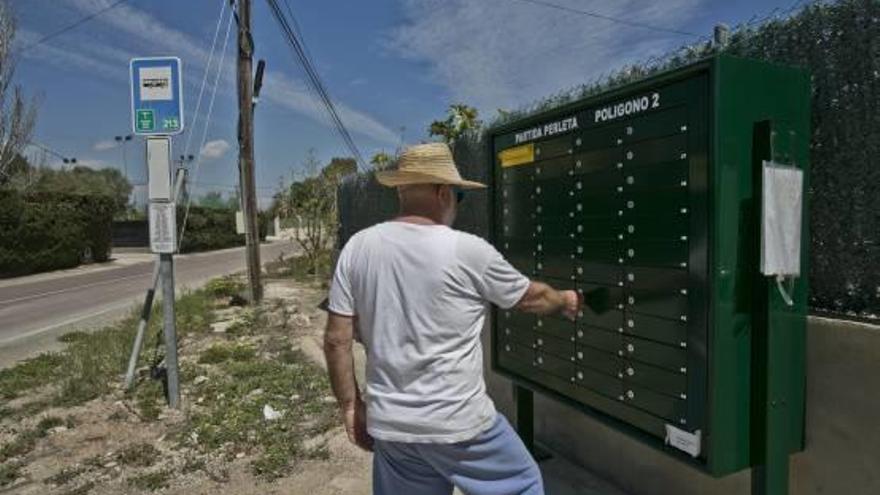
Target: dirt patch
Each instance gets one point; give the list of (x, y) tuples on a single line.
[(257, 416)]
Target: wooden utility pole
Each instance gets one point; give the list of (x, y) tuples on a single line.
[(246, 148)]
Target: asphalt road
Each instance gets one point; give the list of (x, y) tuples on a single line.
[(35, 310)]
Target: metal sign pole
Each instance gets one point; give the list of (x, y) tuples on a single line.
[(166, 262), (148, 300)]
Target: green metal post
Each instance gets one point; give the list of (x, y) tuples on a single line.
[(525, 416), (771, 355)]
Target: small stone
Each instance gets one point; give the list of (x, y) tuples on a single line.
[(328, 399), (58, 429), (255, 392), (200, 379), (111, 464), (221, 326), (295, 397), (239, 455)]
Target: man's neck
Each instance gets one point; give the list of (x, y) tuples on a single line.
[(416, 219)]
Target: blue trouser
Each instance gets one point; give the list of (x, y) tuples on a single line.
[(494, 463)]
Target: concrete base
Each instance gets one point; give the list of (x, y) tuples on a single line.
[(842, 431)]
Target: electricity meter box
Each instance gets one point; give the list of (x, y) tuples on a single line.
[(647, 200)]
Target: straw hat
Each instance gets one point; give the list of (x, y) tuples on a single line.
[(430, 163)]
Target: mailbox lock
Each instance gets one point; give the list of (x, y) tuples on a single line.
[(630, 155), (630, 180), (579, 207), (631, 299), (577, 142), (631, 229), (631, 277), (580, 334), (619, 189), (619, 164), (539, 228), (629, 130), (631, 252), (540, 360), (577, 164), (580, 249), (578, 185), (620, 236), (630, 204), (507, 347), (631, 323), (540, 266), (580, 375), (580, 355), (537, 189), (630, 395), (540, 342), (506, 331), (580, 270), (540, 323), (580, 314), (630, 348), (538, 209), (537, 170), (630, 371), (580, 228)]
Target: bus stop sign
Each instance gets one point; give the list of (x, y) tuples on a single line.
[(156, 96)]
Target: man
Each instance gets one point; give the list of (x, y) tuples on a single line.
[(417, 291)]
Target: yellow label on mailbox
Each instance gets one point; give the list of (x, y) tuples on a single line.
[(519, 155)]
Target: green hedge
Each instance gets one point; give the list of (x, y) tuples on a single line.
[(208, 229), (48, 231)]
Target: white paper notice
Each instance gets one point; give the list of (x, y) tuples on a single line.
[(683, 440), (781, 205), (155, 83), (163, 228)]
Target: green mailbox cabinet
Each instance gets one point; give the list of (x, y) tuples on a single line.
[(646, 199)]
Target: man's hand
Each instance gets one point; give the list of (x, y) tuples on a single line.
[(572, 304), (542, 299), (355, 418)]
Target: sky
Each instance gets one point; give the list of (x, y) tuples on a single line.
[(391, 67)]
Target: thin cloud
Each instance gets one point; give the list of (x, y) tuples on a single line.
[(213, 150), (504, 54), (104, 145)]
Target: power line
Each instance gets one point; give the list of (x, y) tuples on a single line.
[(314, 79), (609, 18), (75, 25)]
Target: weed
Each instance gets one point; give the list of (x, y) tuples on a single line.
[(49, 422), (33, 373), (192, 465), (66, 475), (73, 337), (228, 286), (235, 415), (149, 398), (151, 481), (82, 489), (9, 473), (219, 353), (139, 455)]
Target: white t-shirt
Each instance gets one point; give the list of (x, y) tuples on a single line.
[(420, 294)]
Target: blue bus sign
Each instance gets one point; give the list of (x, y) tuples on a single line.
[(156, 96)]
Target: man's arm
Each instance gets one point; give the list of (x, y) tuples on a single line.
[(542, 299), (338, 339)]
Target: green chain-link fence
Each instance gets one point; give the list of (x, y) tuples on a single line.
[(839, 43)]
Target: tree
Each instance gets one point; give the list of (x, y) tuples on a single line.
[(86, 181), (338, 168), (212, 199), (17, 115), (460, 118), (381, 160), (313, 201)]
